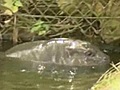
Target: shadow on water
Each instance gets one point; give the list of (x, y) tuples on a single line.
[(5, 45)]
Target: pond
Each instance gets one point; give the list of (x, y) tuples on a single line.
[(15, 75), (21, 75)]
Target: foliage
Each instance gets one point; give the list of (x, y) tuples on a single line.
[(110, 80), (12, 6), (79, 19), (40, 27)]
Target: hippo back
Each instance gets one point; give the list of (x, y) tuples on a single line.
[(61, 51)]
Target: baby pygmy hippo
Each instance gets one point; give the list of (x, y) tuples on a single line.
[(61, 51)]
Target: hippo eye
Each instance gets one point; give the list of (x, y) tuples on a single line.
[(90, 53)]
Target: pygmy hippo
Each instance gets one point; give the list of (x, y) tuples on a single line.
[(61, 51)]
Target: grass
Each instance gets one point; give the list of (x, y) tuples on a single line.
[(110, 80)]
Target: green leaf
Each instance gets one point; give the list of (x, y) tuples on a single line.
[(39, 23), (34, 29), (41, 32), (12, 5), (40, 27), (8, 1), (8, 12), (18, 3), (46, 27), (8, 4), (14, 9)]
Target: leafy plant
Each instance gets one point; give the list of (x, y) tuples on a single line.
[(40, 27), (12, 6)]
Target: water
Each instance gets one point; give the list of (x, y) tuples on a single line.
[(20, 75), (32, 81), (23, 75)]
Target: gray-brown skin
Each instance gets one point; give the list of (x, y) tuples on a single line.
[(61, 51)]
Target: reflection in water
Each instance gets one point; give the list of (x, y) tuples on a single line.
[(24, 81), (15, 75)]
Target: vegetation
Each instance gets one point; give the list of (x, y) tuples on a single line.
[(110, 80), (40, 27), (62, 18), (11, 6)]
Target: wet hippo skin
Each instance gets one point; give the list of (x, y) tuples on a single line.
[(61, 51)]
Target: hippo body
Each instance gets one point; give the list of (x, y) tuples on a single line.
[(60, 51)]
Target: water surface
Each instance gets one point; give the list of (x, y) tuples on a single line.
[(23, 75)]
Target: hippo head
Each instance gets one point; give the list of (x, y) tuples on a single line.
[(72, 52), (84, 53)]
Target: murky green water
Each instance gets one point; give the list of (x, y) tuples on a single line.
[(21, 75), (32, 81)]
